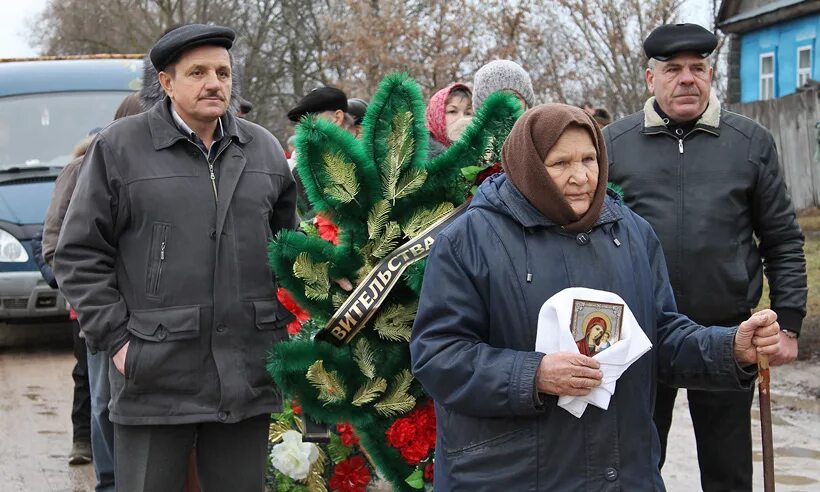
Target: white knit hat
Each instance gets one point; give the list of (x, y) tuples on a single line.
[(501, 75)]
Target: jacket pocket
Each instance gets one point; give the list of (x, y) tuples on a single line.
[(157, 257), (269, 314), (511, 454), (168, 356), (270, 318)]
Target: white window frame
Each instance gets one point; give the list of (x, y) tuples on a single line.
[(768, 77), (805, 71)]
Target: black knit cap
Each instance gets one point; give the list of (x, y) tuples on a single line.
[(170, 46), (670, 39), (318, 100)]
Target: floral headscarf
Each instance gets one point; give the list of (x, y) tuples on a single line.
[(436, 113)]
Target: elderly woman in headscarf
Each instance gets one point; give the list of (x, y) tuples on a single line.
[(444, 110), (546, 225)]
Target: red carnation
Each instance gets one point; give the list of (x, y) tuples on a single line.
[(327, 229), (290, 304), (415, 451), (346, 434), (428, 472), (401, 433), (297, 410), (350, 475), (486, 173)]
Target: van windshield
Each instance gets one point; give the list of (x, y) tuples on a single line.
[(39, 130)]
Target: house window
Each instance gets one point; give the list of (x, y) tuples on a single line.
[(803, 65), (767, 76)]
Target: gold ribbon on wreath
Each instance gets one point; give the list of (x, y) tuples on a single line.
[(371, 292)]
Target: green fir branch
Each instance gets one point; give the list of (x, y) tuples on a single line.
[(386, 242), (422, 219), (314, 275), (365, 358), (369, 391), (337, 300), (344, 186), (399, 151), (377, 218), (410, 183), (395, 323), (398, 400), (330, 386)]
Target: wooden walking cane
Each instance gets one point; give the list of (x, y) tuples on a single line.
[(766, 422)]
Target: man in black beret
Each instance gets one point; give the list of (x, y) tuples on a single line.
[(329, 103), (162, 254), (326, 102), (709, 183), (357, 108)]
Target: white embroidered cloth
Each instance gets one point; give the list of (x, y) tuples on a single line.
[(555, 335)]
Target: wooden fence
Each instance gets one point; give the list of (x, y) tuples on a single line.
[(793, 120)]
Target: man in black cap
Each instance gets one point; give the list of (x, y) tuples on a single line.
[(709, 183), (162, 253), (326, 102), (329, 103), (357, 108)]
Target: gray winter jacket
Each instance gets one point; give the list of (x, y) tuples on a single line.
[(473, 342), (719, 205), (148, 255)]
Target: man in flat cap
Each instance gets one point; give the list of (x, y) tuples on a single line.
[(356, 108), (331, 104), (163, 255), (709, 183)]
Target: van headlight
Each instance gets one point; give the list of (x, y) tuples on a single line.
[(11, 250)]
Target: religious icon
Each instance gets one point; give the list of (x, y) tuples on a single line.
[(595, 325)]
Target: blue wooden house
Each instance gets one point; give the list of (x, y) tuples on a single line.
[(773, 46)]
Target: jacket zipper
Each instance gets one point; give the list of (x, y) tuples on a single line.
[(211, 166), (680, 145), (162, 244)]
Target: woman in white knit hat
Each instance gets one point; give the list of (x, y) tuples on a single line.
[(502, 75)]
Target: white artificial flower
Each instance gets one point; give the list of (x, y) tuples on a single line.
[(294, 457)]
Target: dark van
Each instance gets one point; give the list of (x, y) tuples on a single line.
[(47, 106)]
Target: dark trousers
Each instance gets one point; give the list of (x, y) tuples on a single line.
[(81, 407), (723, 431), (228, 456)]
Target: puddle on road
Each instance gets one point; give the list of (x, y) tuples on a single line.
[(805, 404), (797, 452), (793, 480), (776, 420), (790, 452), (50, 432)]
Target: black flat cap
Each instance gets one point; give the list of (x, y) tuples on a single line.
[(168, 48), (357, 108), (318, 100), (670, 39)]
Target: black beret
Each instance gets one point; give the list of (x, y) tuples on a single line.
[(318, 100), (357, 108), (168, 48), (670, 39)]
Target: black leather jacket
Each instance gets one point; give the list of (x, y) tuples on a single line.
[(717, 200)]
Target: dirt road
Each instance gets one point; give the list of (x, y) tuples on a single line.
[(796, 429), (35, 422), (35, 428)]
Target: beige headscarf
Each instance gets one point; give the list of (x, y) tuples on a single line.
[(527, 147)]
